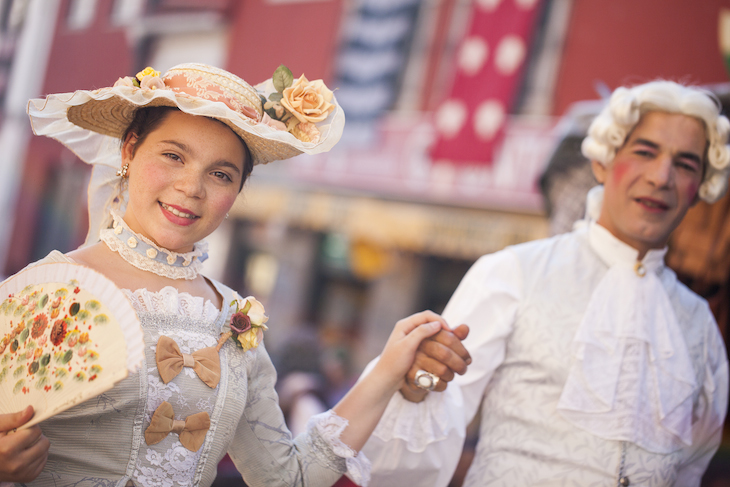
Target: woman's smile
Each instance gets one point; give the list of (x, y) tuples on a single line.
[(177, 215)]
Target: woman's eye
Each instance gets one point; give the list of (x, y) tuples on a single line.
[(643, 153), (222, 175), (172, 156)]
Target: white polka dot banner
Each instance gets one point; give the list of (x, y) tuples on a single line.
[(489, 66)]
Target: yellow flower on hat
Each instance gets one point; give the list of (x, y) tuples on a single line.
[(148, 71)]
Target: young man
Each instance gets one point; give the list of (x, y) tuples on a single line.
[(592, 364)]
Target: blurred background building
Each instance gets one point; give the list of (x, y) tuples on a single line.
[(464, 123)]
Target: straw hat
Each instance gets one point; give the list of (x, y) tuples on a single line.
[(277, 119), (199, 89)]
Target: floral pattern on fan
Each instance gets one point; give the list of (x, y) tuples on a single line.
[(51, 337)]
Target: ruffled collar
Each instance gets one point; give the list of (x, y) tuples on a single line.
[(631, 378)]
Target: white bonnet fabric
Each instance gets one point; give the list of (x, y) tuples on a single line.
[(100, 117), (610, 128)]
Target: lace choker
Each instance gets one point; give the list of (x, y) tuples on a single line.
[(144, 254)]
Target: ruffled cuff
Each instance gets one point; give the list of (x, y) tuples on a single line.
[(417, 424), (329, 427)]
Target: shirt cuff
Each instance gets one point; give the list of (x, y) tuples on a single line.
[(423, 423)]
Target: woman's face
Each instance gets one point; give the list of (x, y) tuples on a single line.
[(183, 179)]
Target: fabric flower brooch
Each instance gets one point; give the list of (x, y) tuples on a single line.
[(247, 324), (296, 106)]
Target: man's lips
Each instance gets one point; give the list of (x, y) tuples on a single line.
[(652, 204), (179, 211)]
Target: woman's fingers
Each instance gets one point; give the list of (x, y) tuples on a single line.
[(9, 422), (406, 325)]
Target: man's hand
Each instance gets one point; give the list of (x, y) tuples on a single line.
[(442, 354), (23, 453)]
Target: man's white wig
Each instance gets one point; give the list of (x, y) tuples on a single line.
[(609, 130)]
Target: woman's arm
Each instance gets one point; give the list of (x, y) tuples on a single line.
[(262, 447)]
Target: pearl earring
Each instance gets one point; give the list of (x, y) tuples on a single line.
[(123, 171)]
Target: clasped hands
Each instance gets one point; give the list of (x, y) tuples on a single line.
[(441, 354)]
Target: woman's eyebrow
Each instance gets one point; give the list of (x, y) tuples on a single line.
[(180, 145)]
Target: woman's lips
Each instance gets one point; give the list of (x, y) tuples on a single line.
[(177, 215)]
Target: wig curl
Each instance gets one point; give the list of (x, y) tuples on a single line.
[(609, 130)]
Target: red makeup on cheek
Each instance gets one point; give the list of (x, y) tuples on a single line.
[(692, 191), (619, 171)]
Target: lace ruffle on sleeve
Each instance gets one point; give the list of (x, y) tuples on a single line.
[(323, 432), (419, 424)]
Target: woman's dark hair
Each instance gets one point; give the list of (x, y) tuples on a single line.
[(147, 119)]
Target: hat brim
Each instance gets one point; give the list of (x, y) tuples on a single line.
[(109, 111)]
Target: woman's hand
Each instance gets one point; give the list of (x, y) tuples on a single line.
[(23, 453)]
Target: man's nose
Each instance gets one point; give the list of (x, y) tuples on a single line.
[(661, 171)]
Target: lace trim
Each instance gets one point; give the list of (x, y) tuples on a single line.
[(417, 424), (144, 254), (171, 301), (328, 428)]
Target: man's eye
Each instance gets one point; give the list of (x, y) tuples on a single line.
[(687, 166)]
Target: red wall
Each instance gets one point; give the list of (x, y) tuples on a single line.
[(632, 41), (303, 36)]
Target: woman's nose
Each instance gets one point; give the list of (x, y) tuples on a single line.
[(190, 183)]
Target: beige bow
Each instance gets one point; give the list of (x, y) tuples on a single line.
[(170, 361), (191, 431)]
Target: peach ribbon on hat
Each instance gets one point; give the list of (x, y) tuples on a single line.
[(191, 431), (170, 361)]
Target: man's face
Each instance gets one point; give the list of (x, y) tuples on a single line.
[(653, 179)]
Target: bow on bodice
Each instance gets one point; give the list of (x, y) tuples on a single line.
[(170, 361), (191, 431)]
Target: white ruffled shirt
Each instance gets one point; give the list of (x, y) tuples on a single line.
[(586, 371)]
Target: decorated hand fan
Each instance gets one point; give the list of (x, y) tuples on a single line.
[(67, 334)]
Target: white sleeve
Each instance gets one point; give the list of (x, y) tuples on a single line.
[(420, 443), (712, 408)]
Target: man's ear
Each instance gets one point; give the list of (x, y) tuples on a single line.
[(599, 171)]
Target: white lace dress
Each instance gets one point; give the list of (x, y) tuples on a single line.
[(101, 442)]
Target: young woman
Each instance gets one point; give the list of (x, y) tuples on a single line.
[(189, 140)]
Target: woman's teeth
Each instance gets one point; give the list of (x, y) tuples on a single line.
[(176, 212)]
